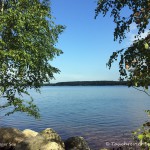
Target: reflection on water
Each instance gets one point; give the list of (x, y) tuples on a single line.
[(99, 114)]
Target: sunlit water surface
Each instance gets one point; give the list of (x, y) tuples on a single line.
[(98, 113)]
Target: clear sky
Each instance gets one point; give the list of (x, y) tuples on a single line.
[(86, 42)]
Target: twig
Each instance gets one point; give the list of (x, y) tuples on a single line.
[(141, 90)]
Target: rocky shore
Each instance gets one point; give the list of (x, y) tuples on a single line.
[(48, 139)]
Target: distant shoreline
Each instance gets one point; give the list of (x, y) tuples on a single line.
[(88, 83)]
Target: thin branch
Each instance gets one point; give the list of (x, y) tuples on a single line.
[(141, 90)]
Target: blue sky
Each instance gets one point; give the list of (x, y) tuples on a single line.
[(86, 42)]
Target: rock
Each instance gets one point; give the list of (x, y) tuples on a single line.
[(32, 143), (38, 143), (29, 133), (52, 136), (9, 137), (47, 139), (52, 146), (76, 143)]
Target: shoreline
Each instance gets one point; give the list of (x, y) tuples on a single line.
[(89, 83), (49, 139)]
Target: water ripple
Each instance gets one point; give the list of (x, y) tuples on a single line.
[(99, 114)]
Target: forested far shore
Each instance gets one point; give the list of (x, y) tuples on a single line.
[(88, 83)]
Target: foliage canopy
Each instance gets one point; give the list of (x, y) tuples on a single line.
[(134, 60), (27, 45)]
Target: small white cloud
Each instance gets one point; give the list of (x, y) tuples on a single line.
[(133, 32), (131, 36), (143, 35)]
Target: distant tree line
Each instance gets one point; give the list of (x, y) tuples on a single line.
[(88, 83)]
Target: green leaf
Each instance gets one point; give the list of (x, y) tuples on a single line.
[(148, 135), (140, 136), (146, 45)]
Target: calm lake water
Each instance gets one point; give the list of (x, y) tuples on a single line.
[(98, 113)]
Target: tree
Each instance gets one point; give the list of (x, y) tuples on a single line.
[(27, 45), (134, 61)]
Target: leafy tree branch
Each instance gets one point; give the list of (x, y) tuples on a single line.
[(28, 36)]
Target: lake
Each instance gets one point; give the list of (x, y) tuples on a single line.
[(98, 113)]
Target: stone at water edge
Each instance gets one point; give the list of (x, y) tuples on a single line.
[(11, 135), (38, 143), (76, 143), (29, 133), (31, 143), (52, 136), (52, 146), (47, 139)]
